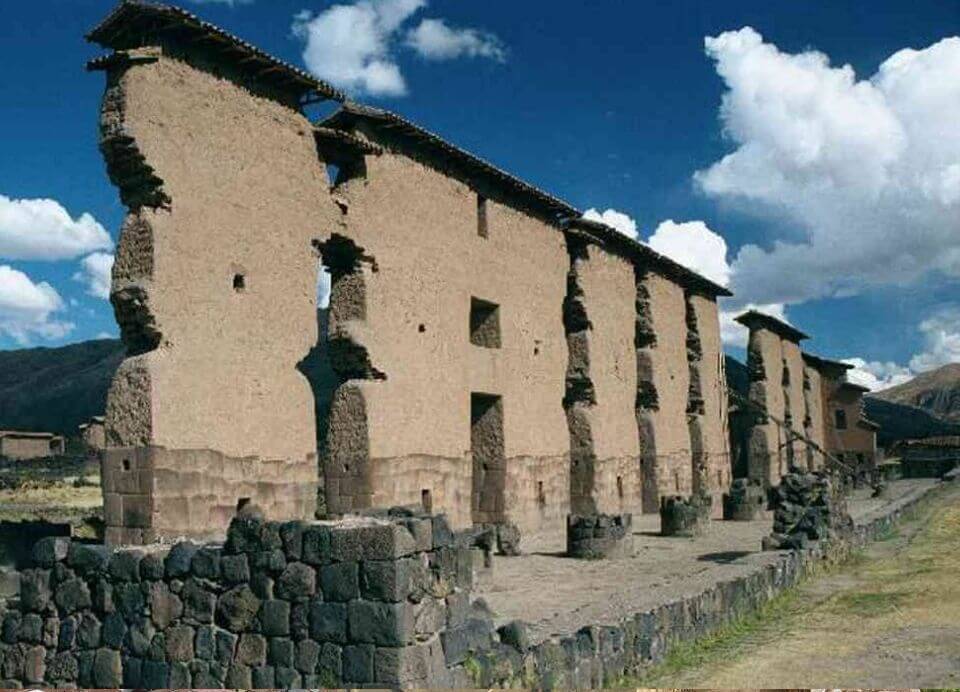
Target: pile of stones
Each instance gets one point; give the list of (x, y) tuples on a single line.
[(688, 517), (807, 506)]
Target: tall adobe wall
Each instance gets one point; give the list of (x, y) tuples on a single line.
[(405, 436), (765, 366), (814, 423), (601, 382), (214, 288), (795, 404)]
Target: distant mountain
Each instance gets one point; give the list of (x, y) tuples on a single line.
[(937, 392), (56, 389), (897, 421)]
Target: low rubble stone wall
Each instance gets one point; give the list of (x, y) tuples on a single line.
[(364, 602)]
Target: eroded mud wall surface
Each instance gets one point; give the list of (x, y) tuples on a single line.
[(814, 423), (715, 424), (794, 402), (214, 285), (665, 364), (602, 383), (765, 366), (429, 267)]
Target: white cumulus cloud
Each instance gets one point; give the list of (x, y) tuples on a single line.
[(695, 246), (95, 273), (27, 309), (732, 332), (434, 40), (875, 375), (41, 229), (868, 170), (355, 46), (617, 220)]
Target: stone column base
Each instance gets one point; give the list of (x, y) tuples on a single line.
[(680, 516), (599, 536), (745, 501)]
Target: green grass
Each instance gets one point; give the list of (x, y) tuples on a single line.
[(868, 604), (722, 644)]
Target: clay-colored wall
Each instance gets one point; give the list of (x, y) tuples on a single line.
[(854, 438), (421, 229), (94, 435), (815, 415), (713, 389), (794, 400), (247, 194), (671, 376), (766, 458), (30, 447), (609, 292)]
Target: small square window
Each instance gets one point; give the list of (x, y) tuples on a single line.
[(484, 323), (840, 417)]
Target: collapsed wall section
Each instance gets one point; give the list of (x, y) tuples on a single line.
[(599, 316), (463, 329), (224, 192)]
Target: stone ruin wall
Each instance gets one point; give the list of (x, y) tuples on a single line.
[(602, 382), (713, 420), (664, 365), (420, 228), (224, 196), (795, 403), (765, 365), (815, 424)]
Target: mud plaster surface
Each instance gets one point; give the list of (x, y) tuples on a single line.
[(557, 595)]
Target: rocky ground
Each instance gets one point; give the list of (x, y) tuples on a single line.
[(558, 595), (888, 619)]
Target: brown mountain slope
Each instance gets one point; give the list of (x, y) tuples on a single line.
[(937, 392)]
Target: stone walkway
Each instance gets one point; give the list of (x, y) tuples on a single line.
[(558, 595)]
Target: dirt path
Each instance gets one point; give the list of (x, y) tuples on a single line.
[(890, 618)]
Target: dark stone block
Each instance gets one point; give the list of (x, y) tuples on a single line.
[(275, 618), (299, 621), (421, 665), (458, 608), (340, 581), (287, 678), (139, 635), (239, 676), (67, 639), (235, 569), (73, 595), (373, 542), (180, 677), (132, 673), (291, 535), (107, 669), (264, 678), (179, 642), (515, 634), (442, 534), (124, 565), (103, 597), (50, 550), (87, 558), (268, 561), (262, 585), (114, 630), (358, 663), (316, 545), (206, 563), (64, 667), (129, 600), (226, 646), (205, 644), (151, 567), (384, 624), (252, 650), (85, 660), (31, 629), (155, 675), (237, 609), (330, 667), (177, 563), (51, 632), (203, 677), (199, 603), (328, 622), (88, 634), (387, 580), (297, 583), (243, 535), (421, 528), (458, 643), (280, 652), (11, 626), (34, 664), (306, 656)]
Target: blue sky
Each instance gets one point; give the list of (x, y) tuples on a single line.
[(610, 105)]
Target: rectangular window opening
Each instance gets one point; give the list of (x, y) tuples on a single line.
[(620, 487), (426, 499), (840, 417), (482, 229), (489, 463), (541, 496), (484, 323)]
